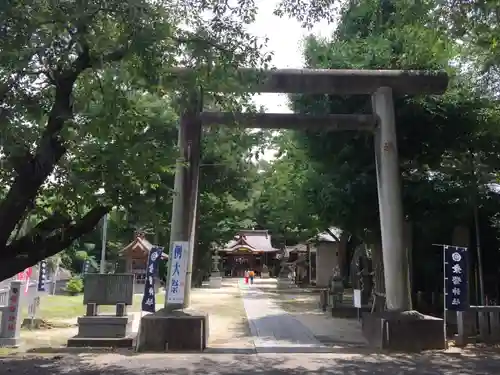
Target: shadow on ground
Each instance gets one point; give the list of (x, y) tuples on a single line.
[(224, 364)]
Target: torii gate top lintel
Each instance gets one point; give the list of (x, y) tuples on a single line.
[(334, 81)]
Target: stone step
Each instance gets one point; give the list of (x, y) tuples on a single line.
[(101, 342)]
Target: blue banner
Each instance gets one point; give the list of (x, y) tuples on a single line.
[(148, 300), (42, 276), (455, 278)]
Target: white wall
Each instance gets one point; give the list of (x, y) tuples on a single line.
[(327, 258)]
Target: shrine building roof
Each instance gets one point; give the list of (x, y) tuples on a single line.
[(139, 248), (250, 240)]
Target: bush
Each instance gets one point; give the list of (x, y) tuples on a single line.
[(74, 285)]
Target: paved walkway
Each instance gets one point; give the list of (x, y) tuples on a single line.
[(273, 329)]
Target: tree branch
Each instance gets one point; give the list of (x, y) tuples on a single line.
[(27, 254), (33, 171), (40, 231)]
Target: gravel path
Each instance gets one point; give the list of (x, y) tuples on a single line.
[(259, 364), (232, 339)]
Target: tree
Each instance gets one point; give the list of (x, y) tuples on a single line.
[(69, 70), (435, 134), (279, 204)]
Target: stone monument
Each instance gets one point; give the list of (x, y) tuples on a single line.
[(215, 276), (10, 324), (95, 330)]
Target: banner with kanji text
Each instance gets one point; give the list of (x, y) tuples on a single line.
[(148, 299), (456, 280)]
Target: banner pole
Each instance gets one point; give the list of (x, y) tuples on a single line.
[(444, 294), (151, 270), (444, 299)]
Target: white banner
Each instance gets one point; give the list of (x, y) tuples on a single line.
[(178, 270), (357, 298)]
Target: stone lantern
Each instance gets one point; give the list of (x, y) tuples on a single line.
[(336, 286), (215, 274)]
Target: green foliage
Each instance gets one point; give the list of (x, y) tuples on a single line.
[(81, 255), (278, 203), (74, 285), (448, 145), (87, 98)]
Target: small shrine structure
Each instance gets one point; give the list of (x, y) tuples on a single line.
[(135, 255), (314, 260), (249, 250)]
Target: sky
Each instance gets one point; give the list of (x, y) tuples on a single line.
[(285, 40)]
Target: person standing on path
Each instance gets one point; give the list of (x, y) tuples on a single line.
[(251, 274), (246, 275)]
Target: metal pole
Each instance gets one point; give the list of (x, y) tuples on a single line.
[(103, 243), (56, 274), (444, 299), (444, 293), (482, 299), (475, 208)]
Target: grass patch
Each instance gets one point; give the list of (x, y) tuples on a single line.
[(4, 352), (67, 307)]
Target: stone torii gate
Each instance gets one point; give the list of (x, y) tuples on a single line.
[(380, 84)]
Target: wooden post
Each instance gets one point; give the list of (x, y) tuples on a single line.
[(309, 264)]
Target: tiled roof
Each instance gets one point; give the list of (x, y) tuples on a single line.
[(141, 244), (254, 240)]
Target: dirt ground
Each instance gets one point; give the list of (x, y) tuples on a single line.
[(469, 362), (229, 329), (228, 326)]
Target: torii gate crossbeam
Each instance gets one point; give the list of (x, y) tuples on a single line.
[(380, 84)]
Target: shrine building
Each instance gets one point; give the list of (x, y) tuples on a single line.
[(135, 256), (249, 250)]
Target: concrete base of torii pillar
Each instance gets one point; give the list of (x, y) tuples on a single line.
[(398, 328)]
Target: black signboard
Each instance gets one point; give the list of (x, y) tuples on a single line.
[(455, 278), (148, 299), (42, 276)]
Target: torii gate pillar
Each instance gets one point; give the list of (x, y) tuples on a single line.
[(396, 265)]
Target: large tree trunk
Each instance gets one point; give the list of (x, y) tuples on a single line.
[(56, 233), (343, 259)]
